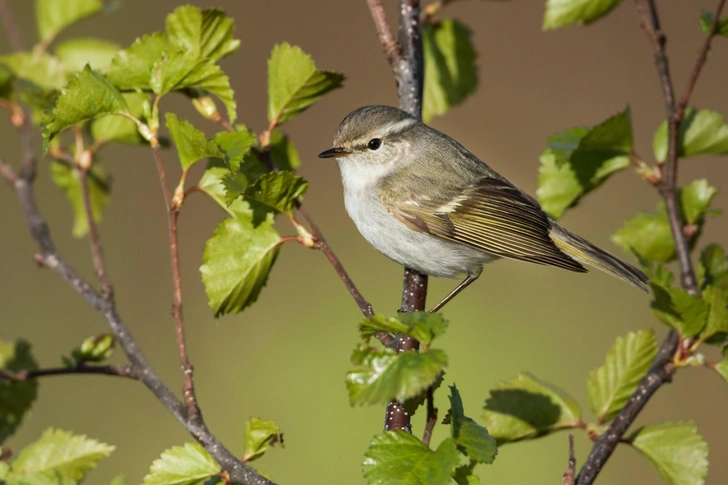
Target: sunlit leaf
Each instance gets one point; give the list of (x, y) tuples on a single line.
[(678, 309), (206, 34), (701, 133), (53, 16), (611, 385), (120, 129), (277, 190), (398, 458), (676, 450), (450, 71), (131, 69), (472, 439), (15, 397), (722, 369), (717, 322), (713, 267), (422, 326), (560, 13), (706, 20), (76, 53), (41, 70), (525, 408), (236, 145), (182, 465), (294, 83), (259, 436), (96, 348), (212, 183), (192, 145), (68, 180), (695, 200)]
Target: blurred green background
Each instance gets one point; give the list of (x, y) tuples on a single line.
[(285, 358)]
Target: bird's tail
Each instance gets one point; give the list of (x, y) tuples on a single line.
[(586, 253)]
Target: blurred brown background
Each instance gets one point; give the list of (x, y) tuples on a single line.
[(285, 358)]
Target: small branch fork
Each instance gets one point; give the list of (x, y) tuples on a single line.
[(662, 368)]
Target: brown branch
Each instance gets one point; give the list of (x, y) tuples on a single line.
[(11, 27), (107, 289), (571, 468), (431, 417), (391, 48), (129, 371)]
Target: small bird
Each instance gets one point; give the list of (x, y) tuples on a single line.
[(423, 200)]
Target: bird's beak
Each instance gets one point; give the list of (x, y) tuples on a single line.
[(335, 152)]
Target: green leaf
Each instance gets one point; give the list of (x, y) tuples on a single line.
[(713, 267), (722, 369), (206, 34), (283, 153), (611, 385), (422, 326), (182, 465), (61, 452), (120, 129), (192, 145), (87, 96), (676, 450), (15, 397), (277, 190), (131, 69), (68, 180), (560, 13), (525, 408), (294, 83), (706, 20), (649, 235), (259, 436), (450, 71), (53, 16), (472, 439), (701, 133), (381, 375), (678, 309), (118, 480), (42, 70), (96, 348), (236, 262), (76, 53), (398, 458), (212, 183), (236, 145), (717, 323), (695, 199), (579, 160), (463, 475), (180, 70), (38, 479)]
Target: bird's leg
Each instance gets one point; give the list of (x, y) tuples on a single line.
[(454, 292)]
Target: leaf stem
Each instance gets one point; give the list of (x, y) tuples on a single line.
[(127, 370), (571, 468), (431, 417)]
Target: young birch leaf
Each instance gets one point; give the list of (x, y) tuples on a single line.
[(695, 199), (701, 133), (192, 145), (463, 475), (15, 397), (579, 160), (277, 190), (649, 235), (53, 16), (43, 71), (398, 458), (236, 262), (676, 450), (560, 13), (722, 369), (182, 465), (524, 408), (706, 20), (450, 71), (212, 183), (118, 480), (61, 452), (207, 34), (87, 96), (68, 180), (283, 153), (713, 267), (259, 436), (472, 439), (236, 145), (294, 83), (424, 327), (131, 69), (611, 385), (381, 375), (120, 129), (76, 53), (679, 309), (717, 323)]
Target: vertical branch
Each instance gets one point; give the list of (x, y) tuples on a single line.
[(11, 27), (107, 290), (571, 468)]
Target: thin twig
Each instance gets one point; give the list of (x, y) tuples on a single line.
[(571, 468), (391, 48), (11, 27), (110, 370), (107, 289), (431, 417)]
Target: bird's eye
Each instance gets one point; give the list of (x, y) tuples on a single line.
[(374, 143)]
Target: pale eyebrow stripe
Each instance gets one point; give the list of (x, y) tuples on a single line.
[(388, 129)]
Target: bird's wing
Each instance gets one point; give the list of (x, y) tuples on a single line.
[(487, 214)]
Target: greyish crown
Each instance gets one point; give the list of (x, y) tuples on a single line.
[(362, 124)]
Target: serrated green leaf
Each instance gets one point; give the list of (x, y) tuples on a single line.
[(212, 183), (678, 309), (701, 133), (68, 180), (120, 129), (38, 479), (15, 397), (525, 408), (283, 153), (695, 199), (236, 145), (450, 71), (649, 235), (294, 83), (206, 34), (192, 145), (276, 190), (88, 95), (398, 458), (131, 69), (579, 160), (259, 436), (422, 326), (463, 475), (381, 375), (76, 53), (182, 465), (717, 323), (42, 70), (713, 267), (560, 13), (722, 369), (61, 452), (676, 450), (611, 385), (236, 262), (52, 16), (472, 439), (706, 20)]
